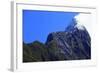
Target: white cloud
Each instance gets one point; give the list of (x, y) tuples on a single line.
[(85, 20)]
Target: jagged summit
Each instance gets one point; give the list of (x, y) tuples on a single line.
[(75, 25), (80, 27)]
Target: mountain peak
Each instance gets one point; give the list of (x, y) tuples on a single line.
[(75, 24), (80, 27)]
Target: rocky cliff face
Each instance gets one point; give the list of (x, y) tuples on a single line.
[(72, 44)]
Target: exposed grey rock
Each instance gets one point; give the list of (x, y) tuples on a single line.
[(74, 43)]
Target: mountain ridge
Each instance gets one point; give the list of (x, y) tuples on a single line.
[(72, 44)]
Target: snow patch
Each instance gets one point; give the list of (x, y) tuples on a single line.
[(80, 27)]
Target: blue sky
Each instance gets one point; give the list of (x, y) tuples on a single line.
[(38, 24)]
